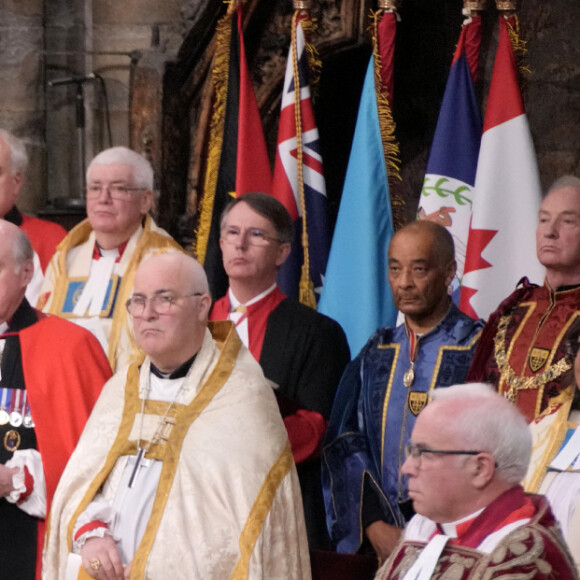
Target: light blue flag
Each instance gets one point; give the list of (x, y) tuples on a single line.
[(356, 291)]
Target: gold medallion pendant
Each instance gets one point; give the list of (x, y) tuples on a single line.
[(409, 376)]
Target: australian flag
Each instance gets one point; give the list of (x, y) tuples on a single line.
[(299, 185)]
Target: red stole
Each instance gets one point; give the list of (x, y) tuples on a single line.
[(509, 507), (257, 314)]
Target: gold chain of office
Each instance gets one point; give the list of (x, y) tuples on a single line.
[(508, 375)]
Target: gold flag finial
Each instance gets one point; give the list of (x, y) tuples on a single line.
[(506, 5), (388, 4), (474, 5), (301, 5)]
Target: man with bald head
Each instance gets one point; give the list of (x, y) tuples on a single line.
[(51, 373), (386, 386), (184, 469), (523, 346), (468, 452)]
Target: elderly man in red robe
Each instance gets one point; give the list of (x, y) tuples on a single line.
[(51, 374), (469, 450)]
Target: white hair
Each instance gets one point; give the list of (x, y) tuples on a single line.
[(17, 150), (142, 170), (565, 181), (489, 422)]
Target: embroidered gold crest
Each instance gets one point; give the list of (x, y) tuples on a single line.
[(417, 402), (538, 358)]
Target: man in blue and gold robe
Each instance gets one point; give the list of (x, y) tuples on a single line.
[(383, 390)]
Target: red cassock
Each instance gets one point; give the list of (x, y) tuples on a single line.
[(64, 369)]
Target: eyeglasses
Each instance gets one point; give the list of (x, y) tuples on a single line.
[(115, 190), (160, 303), (252, 236), (415, 451)]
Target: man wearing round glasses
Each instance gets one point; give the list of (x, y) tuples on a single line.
[(184, 469), (301, 351), (469, 450), (90, 277)]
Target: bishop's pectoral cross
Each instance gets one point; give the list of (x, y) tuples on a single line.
[(140, 461)]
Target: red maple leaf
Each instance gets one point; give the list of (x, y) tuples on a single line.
[(477, 242)]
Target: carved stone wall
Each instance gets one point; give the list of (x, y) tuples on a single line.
[(22, 94)]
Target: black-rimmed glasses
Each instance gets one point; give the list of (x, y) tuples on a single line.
[(415, 451)]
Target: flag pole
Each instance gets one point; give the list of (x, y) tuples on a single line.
[(306, 287), (383, 28)]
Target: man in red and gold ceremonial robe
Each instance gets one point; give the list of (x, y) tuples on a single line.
[(469, 449), (301, 351), (51, 374), (522, 350), (43, 235)]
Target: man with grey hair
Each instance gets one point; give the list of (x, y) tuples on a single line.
[(301, 351), (90, 277), (522, 350), (44, 235), (51, 373), (184, 469), (468, 452)]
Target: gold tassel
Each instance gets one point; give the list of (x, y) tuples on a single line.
[(220, 73), (387, 127), (306, 287), (518, 44), (309, 26)]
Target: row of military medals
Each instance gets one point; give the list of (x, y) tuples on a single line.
[(15, 411)]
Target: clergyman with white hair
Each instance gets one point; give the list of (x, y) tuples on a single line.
[(43, 235), (90, 277), (469, 450)]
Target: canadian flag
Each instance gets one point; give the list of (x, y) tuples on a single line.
[(501, 246)]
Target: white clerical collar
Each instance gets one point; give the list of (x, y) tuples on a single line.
[(450, 528), (114, 253), (234, 302)]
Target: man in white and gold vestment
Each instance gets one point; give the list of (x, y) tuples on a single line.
[(184, 469), (90, 277)]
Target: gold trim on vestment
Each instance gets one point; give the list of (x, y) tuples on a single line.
[(149, 241), (260, 511), (397, 347), (225, 334), (556, 433), (104, 313), (445, 348), (515, 382), (130, 409)]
